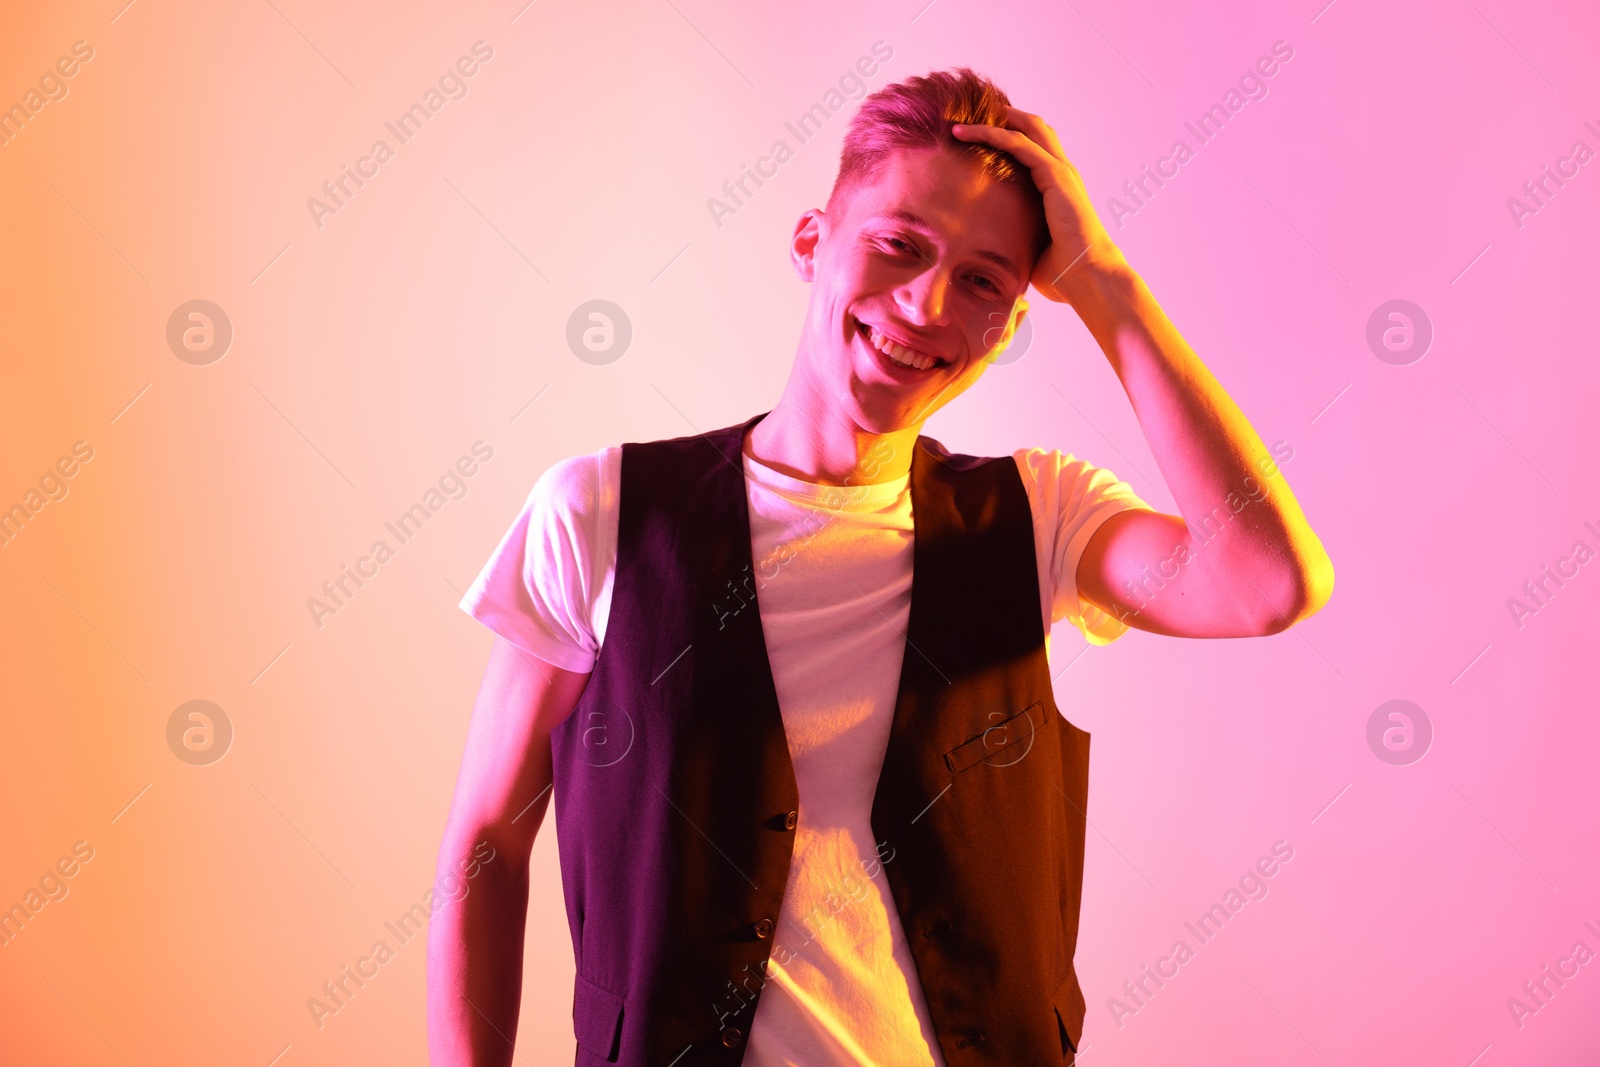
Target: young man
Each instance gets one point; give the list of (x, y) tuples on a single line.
[(816, 803)]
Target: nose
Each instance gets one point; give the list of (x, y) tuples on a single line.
[(924, 299)]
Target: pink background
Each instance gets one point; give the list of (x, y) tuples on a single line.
[(369, 353)]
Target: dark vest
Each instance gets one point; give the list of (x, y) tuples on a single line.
[(676, 802)]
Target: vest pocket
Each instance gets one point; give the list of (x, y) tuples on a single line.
[(596, 1019), (1005, 742), (1069, 1009)]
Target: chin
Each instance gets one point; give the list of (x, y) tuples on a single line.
[(883, 414)]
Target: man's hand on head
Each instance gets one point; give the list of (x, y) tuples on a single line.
[(1078, 241)]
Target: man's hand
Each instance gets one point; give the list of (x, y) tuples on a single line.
[(1078, 242)]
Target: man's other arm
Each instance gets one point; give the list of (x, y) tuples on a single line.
[(475, 944), (1240, 560)]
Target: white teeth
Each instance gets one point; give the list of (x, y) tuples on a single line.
[(899, 353)]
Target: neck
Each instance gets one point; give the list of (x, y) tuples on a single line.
[(808, 438)]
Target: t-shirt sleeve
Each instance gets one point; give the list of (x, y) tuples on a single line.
[(549, 581), (1070, 498)]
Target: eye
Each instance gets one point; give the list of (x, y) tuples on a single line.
[(988, 285), (895, 244)]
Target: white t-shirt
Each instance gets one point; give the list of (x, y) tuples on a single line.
[(833, 581)]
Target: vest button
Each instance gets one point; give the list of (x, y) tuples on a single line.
[(763, 928), (732, 1038), (790, 819)]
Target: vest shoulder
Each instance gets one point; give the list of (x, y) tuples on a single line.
[(670, 472), (960, 461), (689, 443)]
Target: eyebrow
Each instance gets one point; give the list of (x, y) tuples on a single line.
[(918, 222)]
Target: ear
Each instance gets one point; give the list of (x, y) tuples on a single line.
[(803, 245)]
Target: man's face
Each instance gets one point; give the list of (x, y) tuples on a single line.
[(931, 255)]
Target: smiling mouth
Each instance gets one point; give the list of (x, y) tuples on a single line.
[(897, 353)]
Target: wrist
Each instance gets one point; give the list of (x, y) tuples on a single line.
[(1098, 281)]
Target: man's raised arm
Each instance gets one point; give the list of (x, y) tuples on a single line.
[(475, 944), (1203, 573)]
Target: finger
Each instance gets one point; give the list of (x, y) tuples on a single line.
[(1019, 145), (1037, 130)]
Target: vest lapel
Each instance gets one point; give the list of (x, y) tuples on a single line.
[(970, 813)]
